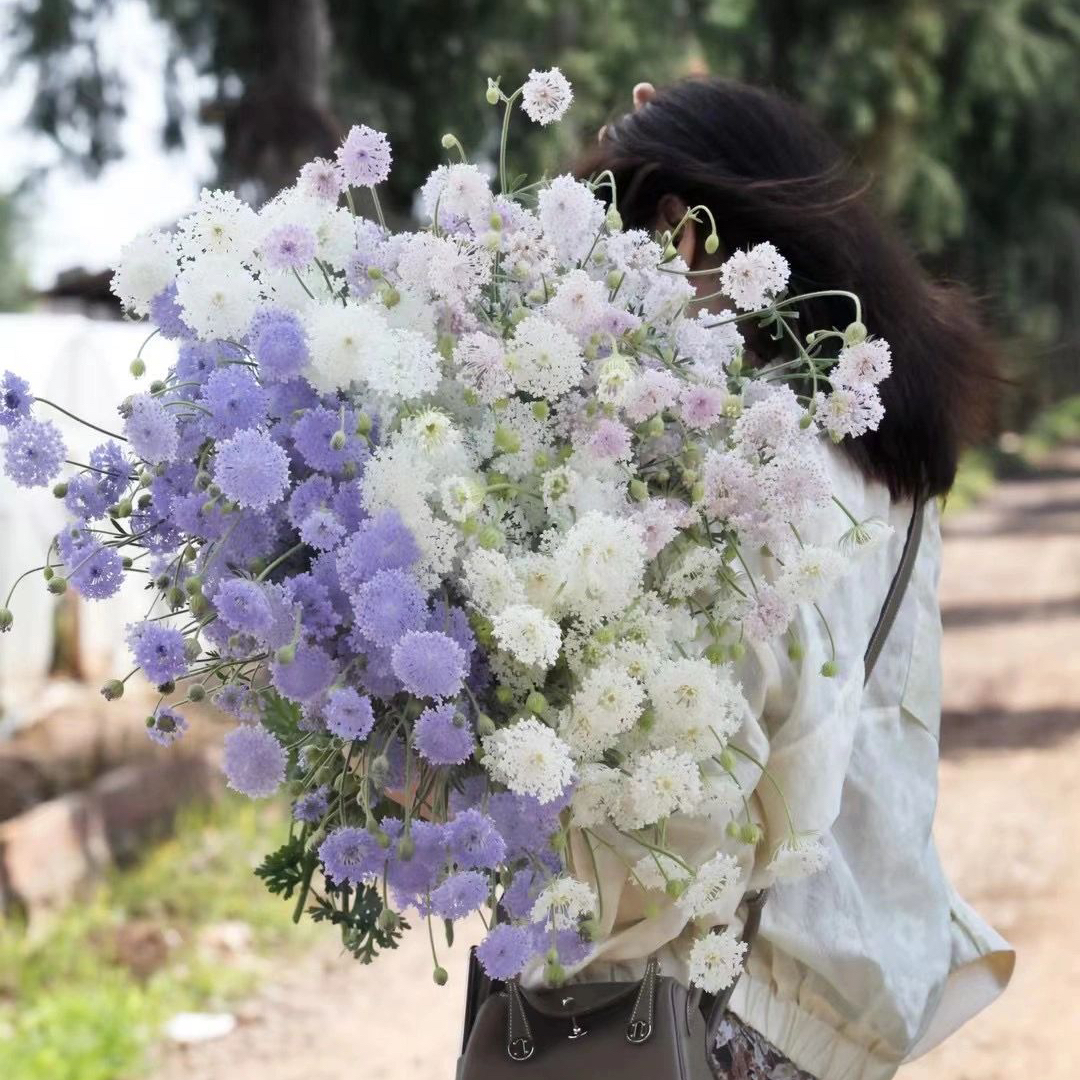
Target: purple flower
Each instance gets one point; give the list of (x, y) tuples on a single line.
[(166, 726), (460, 895), (289, 399), (351, 855), (311, 806), (235, 400), (570, 946), (306, 676), (158, 650), (196, 360), (244, 605), (166, 315), (313, 434), (84, 499), (505, 951), (474, 842), (453, 622), (388, 606), (252, 470), (318, 615), (364, 156), (443, 737), (279, 344), (429, 664), (349, 505), (348, 714), (377, 675), (15, 399), (381, 543), (33, 453), (523, 822), (322, 530), (322, 179), (520, 895), (288, 246), (151, 429), (98, 572), (308, 496), (112, 468), (412, 879), (238, 701), (254, 761)]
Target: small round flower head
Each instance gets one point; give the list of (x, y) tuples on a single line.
[(473, 840), (530, 759), (348, 714), (15, 399), (528, 635), (698, 705), (865, 363), (412, 879), (383, 542), (544, 358), (313, 436), (158, 650), (701, 406), (546, 96), (166, 315), (254, 761), (443, 736), (195, 360), (351, 856), (147, 265), (151, 429), (571, 216), (798, 857), (753, 279), (306, 676), (312, 805), (364, 156), (166, 726), (460, 894), (288, 247), (610, 441), (505, 951), (712, 887), (252, 470), (111, 469), (650, 393), (716, 960), (322, 179), (768, 615), (429, 664), (661, 783), (322, 530), (563, 902), (218, 296), (308, 496), (481, 360), (33, 453), (279, 344), (389, 605), (98, 572), (608, 703), (849, 412), (244, 605), (238, 700), (234, 400)]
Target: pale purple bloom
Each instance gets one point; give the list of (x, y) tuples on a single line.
[(610, 441), (312, 805), (159, 650), (279, 344), (15, 399), (252, 470), (98, 572), (523, 822), (243, 604), (288, 247), (196, 360), (429, 664), (364, 156), (348, 714), (318, 616), (505, 951), (520, 895), (238, 700), (306, 676), (112, 468), (453, 622), (166, 726), (474, 842), (166, 315), (33, 453), (322, 530), (443, 736), (235, 400), (254, 761), (460, 894), (381, 543), (351, 855), (412, 879), (323, 179), (308, 496), (389, 605), (312, 435), (84, 499), (701, 406)]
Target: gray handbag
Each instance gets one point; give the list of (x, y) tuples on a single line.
[(653, 1029)]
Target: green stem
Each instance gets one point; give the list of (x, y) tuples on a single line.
[(79, 419), (505, 136)]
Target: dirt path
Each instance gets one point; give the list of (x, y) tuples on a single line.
[(1010, 795)]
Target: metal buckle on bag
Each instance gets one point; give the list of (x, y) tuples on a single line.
[(576, 1030), (638, 1031), (520, 1049)]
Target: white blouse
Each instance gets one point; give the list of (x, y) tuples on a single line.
[(875, 959)]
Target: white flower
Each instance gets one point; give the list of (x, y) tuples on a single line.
[(770, 424), (602, 561), (490, 581), (849, 411), (615, 379), (608, 703), (711, 342), (530, 759), (799, 857), (865, 363), (716, 960), (481, 360), (752, 279), (539, 577), (866, 537), (698, 706), (578, 303), (712, 886), (699, 570), (810, 573), (347, 342), (461, 193), (571, 216), (544, 358), (661, 783), (217, 296), (595, 792), (146, 266), (528, 635), (655, 870), (795, 482), (533, 436), (456, 269), (768, 613), (409, 369), (546, 96), (565, 901), (461, 497), (650, 393), (221, 224)]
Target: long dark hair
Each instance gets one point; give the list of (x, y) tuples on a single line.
[(768, 172)]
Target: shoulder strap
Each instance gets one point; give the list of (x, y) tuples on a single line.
[(897, 588)]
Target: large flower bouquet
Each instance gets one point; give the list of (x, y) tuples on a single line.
[(456, 523)]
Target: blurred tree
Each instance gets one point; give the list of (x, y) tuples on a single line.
[(14, 292), (964, 111)]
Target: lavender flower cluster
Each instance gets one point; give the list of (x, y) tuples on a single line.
[(473, 507)]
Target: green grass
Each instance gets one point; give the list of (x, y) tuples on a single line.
[(74, 1007)]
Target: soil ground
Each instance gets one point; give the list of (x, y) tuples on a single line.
[(1010, 799)]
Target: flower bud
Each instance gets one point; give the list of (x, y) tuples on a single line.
[(286, 654), (196, 692), (733, 830), (828, 669), (749, 833), (176, 597), (639, 490), (440, 976), (489, 538), (60, 489), (647, 720), (697, 492), (727, 760), (7, 620), (613, 279), (716, 653), (554, 973), (144, 500), (655, 426), (378, 773), (123, 508), (198, 605), (58, 586), (166, 687), (541, 410), (193, 585), (712, 243), (492, 94), (387, 920), (675, 888), (854, 333), (337, 440), (448, 141), (670, 252), (406, 848), (113, 690), (48, 573), (391, 297), (737, 650), (484, 725), (536, 703), (504, 695), (507, 440), (590, 929), (614, 220), (137, 367), (363, 424)]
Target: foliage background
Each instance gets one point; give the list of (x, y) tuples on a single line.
[(963, 112)]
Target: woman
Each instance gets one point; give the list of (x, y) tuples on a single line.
[(873, 960)]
